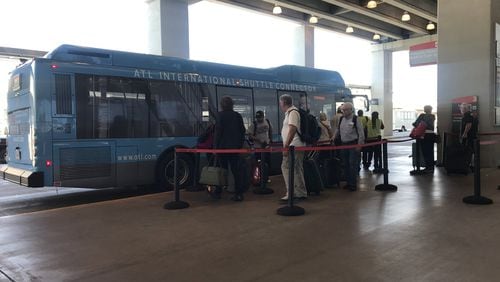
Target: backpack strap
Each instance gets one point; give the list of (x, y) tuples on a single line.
[(270, 131), (298, 129), (354, 120)]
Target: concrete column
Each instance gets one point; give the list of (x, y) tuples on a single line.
[(382, 87), (466, 51), (309, 46), (299, 47), (169, 28)]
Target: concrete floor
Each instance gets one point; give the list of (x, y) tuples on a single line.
[(422, 232)]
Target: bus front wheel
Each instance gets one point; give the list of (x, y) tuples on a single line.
[(165, 171)]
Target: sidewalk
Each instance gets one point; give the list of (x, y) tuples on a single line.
[(421, 232)]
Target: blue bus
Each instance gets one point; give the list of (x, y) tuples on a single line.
[(88, 117)]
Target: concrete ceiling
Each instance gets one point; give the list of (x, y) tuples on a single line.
[(336, 15)]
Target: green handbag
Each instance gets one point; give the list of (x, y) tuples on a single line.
[(213, 175)]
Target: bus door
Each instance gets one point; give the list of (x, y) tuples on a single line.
[(20, 117), (242, 99), (361, 102)]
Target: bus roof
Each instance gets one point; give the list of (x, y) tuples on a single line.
[(286, 73)]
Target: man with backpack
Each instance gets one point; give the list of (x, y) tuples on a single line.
[(350, 132), (290, 135), (260, 132)]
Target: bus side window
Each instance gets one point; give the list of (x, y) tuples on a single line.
[(242, 99)]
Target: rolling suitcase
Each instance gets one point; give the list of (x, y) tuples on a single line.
[(421, 162), (312, 176), (457, 159), (331, 172)]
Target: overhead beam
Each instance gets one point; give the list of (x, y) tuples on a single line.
[(8, 52), (325, 16), (374, 15), (300, 20), (412, 9)]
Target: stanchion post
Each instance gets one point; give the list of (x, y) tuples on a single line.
[(263, 190), (385, 186), (177, 203), (477, 199), (290, 209)]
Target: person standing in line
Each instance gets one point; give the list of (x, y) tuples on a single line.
[(468, 127), (290, 137), (260, 132), (335, 121), (326, 130), (426, 144), (350, 133), (374, 134), (325, 139), (365, 151), (229, 134)]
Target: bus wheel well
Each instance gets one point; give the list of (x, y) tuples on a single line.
[(165, 169)]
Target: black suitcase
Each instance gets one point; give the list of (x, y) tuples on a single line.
[(331, 172), (421, 161), (457, 159), (312, 177)]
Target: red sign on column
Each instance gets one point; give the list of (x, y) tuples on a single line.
[(423, 54)]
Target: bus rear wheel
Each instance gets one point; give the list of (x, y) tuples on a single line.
[(165, 171)]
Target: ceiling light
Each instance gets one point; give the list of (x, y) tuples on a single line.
[(313, 19), (277, 10), (349, 29), (371, 4), (430, 26), (405, 17), (376, 36)]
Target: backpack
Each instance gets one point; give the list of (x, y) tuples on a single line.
[(309, 127)]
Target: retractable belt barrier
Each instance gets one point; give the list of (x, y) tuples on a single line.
[(290, 209)]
